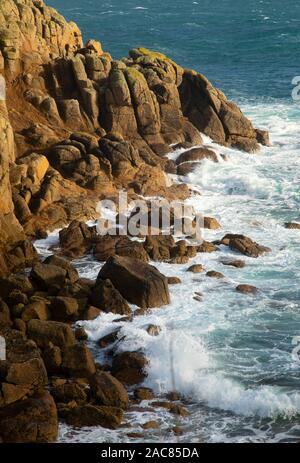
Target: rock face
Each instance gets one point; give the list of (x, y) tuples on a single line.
[(108, 298), (210, 111), (31, 28), (27, 412), (92, 415), (31, 420), (77, 125), (138, 282), (129, 367), (109, 391)]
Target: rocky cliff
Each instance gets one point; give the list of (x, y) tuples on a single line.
[(77, 125)]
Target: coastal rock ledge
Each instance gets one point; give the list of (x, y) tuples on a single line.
[(77, 126)]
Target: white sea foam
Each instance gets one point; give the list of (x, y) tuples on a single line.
[(231, 354)]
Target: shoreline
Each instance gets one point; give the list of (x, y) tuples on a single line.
[(78, 127)]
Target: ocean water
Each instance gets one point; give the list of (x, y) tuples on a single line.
[(232, 355)]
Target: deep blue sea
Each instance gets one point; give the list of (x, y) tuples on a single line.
[(234, 355)]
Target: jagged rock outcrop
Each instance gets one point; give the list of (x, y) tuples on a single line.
[(32, 32), (222, 120), (77, 126)]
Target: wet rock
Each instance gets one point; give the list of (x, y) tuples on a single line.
[(108, 391), (197, 154), (36, 310), (206, 246), (5, 320), (174, 281), (159, 247), (150, 425), (153, 330), (211, 113), (262, 136), (177, 431), (136, 435), (244, 245), (179, 410), (292, 225), (19, 283), (234, 263), (29, 421), (91, 313), (81, 334), (179, 260), (197, 268), (187, 167), (31, 373), (106, 246), (108, 298), (211, 223), (214, 274), (109, 339), (246, 289), (138, 282), (92, 415), (20, 325), (17, 297), (129, 367), (173, 396), (143, 393)]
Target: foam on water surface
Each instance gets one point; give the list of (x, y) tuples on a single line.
[(232, 354)]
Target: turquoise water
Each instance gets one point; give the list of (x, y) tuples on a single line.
[(248, 48), (232, 354)]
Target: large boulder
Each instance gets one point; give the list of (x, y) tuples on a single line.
[(32, 420), (107, 298), (45, 332), (138, 282), (64, 308), (23, 372), (69, 391), (210, 111), (72, 274), (78, 361), (31, 373), (92, 415), (107, 390), (76, 239), (130, 367), (45, 275)]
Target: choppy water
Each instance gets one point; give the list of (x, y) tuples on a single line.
[(232, 354)]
